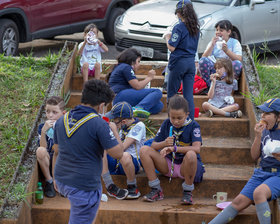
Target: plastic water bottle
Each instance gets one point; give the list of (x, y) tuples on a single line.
[(39, 194)]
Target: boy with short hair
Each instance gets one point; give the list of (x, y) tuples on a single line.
[(133, 135), (55, 108), (90, 50), (179, 141), (81, 136)]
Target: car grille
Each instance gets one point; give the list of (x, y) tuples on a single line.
[(127, 43), (146, 33)]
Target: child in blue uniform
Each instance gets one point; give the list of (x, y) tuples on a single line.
[(179, 141), (264, 185), (183, 44), (80, 138), (133, 134), (55, 108)]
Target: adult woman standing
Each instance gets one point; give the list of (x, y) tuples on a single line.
[(183, 46), (222, 45), (128, 88)]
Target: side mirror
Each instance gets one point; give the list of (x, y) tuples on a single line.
[(253, 2)]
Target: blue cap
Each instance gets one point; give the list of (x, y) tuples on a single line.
[(121, 110), (270, 105), (182, 3)]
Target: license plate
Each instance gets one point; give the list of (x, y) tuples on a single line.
[(145, 51)]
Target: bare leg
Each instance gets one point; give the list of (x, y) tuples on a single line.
[(43, 159), (189, 166), (128, 166), (85, 72), (97, 70), (207, 106)]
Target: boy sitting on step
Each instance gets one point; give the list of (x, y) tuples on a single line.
[(179, 141), (133, 135), (264, 185), (55, 108)]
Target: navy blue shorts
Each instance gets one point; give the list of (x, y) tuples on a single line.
[(84, 204), (272, 180), (116, 168)]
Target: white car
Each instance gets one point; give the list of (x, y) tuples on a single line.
[(255, 22)]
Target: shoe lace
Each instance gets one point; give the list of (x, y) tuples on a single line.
[(152, 193)]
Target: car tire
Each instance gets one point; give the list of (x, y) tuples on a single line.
[(108, 32), (9, 37)]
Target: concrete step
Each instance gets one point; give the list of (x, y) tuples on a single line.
[(219, 127), (77, 81), (56, 211), (226, 178), (75, 99), (226, 150)]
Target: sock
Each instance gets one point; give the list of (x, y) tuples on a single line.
[(263, 213), (227, 114), (225, 216), (50, 181), (107, 179), (187, 187), (131, 182), (155, 184)]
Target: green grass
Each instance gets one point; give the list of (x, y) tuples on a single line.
[(23, 82)]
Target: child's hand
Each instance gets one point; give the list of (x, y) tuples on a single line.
[(169, 141), (214, 40), (213, 77), (225, 47), (152, 73), (165, 151), (276, 156), (48, 124), (113, 126), (259, 127)]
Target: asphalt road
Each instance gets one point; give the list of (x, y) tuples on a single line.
[(42, 47)]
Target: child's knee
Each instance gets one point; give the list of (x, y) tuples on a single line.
[(97, 66), (126, 159), (85, 65), (41, 152), (190, 157), (236, 106), (205, 106), (144, 151)]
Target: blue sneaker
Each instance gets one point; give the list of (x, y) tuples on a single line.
[(140, 112)]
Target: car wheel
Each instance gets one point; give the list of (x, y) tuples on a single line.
[(9, 37), (109, 31)]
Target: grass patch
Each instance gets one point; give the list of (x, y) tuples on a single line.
[(23, 82)]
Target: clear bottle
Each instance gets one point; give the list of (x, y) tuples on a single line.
[(39, 194)]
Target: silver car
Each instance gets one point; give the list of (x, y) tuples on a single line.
[(143, 25)]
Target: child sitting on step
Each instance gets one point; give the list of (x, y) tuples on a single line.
[(174, 152), (223, 85), (133, 135), (265, 183), (90, 50)]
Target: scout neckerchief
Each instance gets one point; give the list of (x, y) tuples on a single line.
[(71, 127), (176, 135), (124, 133)]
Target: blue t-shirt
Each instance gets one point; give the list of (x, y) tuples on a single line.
[(269, 161), (120, 76), (79, 162), (49, 140), (191, 133), (185, 44)]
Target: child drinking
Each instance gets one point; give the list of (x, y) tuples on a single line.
[(221, 90)]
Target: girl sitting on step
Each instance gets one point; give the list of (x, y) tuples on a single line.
[(223, 85), (265, 183)]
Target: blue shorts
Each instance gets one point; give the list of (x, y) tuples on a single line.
[(117, 169), (84, 204), (272, 180)]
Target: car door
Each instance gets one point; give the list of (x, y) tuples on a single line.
[(46, 14), (261, 22), (86, 10)]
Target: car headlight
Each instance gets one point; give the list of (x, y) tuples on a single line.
[(203, 21), (123, 20)]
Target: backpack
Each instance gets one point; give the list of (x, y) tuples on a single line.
[(199, 85)]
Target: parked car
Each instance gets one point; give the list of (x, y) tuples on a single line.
[(143, 25), (25, 20)]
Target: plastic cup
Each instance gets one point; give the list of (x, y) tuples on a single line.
[(196, 112)]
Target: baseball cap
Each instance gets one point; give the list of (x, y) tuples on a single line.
[(182, 3), (270, 105), (121, 110)]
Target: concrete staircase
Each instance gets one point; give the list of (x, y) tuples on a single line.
[(225, 153)]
